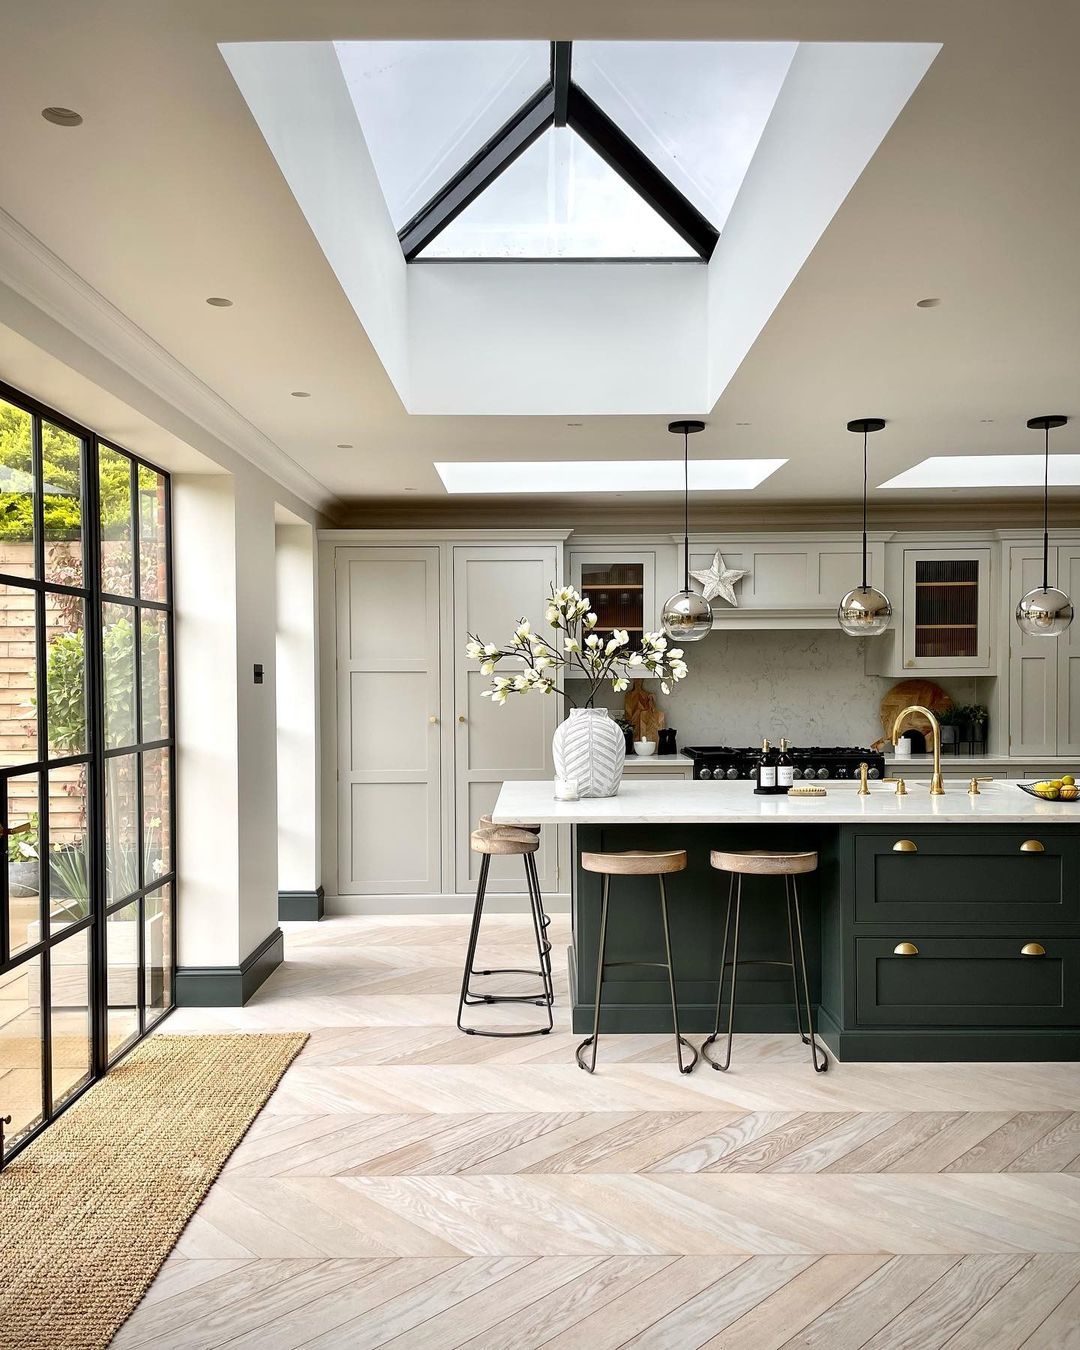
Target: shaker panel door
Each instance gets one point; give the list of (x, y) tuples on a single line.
[(1067, 578), (389, 749), (1033, 665), (496, 587)]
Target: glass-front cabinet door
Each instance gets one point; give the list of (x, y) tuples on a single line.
[(947, 609), (622, 588)]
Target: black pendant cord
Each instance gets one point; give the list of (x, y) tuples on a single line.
[(865, 438), (686, 510), (1046, 511)]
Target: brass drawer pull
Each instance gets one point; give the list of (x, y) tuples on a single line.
[(905, 949), (905, 846), (1032, 846), (1033, 949)]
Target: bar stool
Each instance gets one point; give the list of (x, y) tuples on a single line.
[(765, 864), (491, 840), (633, 864)]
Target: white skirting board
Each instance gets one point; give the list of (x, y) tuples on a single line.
[(439, 904)]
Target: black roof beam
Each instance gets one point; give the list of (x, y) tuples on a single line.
[(560, 79), (594, 126), (510, 141)]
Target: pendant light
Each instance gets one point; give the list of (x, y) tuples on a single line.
[(1045, 611), (864, 612), (686, 616)]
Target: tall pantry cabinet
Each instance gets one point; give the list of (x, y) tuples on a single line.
[(412, 752)]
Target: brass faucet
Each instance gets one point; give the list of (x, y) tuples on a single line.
[(937, 787)]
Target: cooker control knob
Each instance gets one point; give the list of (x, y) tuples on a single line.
[(705, 773), (823, 773), (732, 772), (875, 773), (796, 773)]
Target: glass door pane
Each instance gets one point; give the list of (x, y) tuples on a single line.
[(20, 1046), (69, 1005), (946, 607)]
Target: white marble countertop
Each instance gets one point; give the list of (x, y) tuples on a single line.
[(689, 802)]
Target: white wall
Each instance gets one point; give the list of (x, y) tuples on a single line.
[(297, 716), (811, 687)]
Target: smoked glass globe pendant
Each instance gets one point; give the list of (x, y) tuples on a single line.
[(864, 611), (686, 616), (1045, 611)]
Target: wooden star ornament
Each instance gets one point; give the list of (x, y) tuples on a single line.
[(720, 580)]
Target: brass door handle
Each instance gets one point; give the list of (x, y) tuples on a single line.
[(1033, 949), (905, 949), (1032, 846), (461, 717), (433, 720), (905, 846)]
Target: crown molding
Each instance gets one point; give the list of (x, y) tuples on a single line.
[(42, 278), (603, 516)]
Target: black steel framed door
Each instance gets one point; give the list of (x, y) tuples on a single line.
[(87, 791)]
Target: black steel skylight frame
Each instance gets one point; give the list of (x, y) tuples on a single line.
[(559, 103)]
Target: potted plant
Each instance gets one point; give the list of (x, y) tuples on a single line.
[(588, 747), (950, 720), (976, 722)]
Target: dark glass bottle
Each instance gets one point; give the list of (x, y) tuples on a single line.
[(766, 770), (785, 768)]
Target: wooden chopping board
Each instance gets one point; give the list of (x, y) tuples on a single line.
[(903, 695)]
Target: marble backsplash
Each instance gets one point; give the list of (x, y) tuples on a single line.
[(811, 687)]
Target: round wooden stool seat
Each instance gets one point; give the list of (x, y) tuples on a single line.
[(503, 840), (486, 823), (635, 863), (763, 863)]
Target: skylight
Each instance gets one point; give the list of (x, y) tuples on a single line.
[(563, 477), (562, 150), (426, 108), (697, 109), (558, 200), (988, 471)]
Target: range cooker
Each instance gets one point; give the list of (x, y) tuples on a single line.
[(815, 761)]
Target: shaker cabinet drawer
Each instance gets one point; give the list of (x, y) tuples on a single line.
[(915, 981), (984, 877)]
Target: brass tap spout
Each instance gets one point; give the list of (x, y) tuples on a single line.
[(937, 787)]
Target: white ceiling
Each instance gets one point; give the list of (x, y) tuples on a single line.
[(168, 194)]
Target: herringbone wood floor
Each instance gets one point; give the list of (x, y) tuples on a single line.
[(408, 1186)]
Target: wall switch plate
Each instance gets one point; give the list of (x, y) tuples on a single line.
[(258, 673)]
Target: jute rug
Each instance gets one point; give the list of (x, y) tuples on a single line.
[(90, 1210)]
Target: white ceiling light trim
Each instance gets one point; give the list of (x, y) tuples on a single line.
[(988, 471), (559, 477)]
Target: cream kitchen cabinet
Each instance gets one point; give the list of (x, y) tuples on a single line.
[(412, 754), (1044, 673), (793, 580)]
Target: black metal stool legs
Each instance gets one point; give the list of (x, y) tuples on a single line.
[(543, 950), (818, 1057), (603, 964), (734, 888)]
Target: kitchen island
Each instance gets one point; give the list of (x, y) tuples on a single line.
[(938, 928)]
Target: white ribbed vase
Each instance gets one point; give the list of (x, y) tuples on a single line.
[(589, 749)]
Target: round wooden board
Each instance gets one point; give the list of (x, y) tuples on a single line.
[(903, 695)]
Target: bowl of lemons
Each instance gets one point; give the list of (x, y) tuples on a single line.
[(1063, 789)]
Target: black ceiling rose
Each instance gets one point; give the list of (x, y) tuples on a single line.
[(560, 103)]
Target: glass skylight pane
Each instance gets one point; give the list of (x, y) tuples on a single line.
[(556, 477), (988, 471), (558, 200), (697, 109), (425, 108)]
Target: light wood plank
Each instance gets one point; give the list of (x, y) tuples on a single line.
[(950, 1302), (1018, 1309)]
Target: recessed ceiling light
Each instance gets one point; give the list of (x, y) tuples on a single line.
[(62, 117), (988, 471), (931, 302), (575, 424), (344, 445), (300, 393), (742, 424), (603, 475), (410, 489), (219, 301)]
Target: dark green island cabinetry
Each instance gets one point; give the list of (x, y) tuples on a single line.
[(925, 941), (937, 927)]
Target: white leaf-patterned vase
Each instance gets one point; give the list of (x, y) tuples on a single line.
[(589, 749)]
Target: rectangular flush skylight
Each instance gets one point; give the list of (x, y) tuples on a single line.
[(559, 477), (988, 471)]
